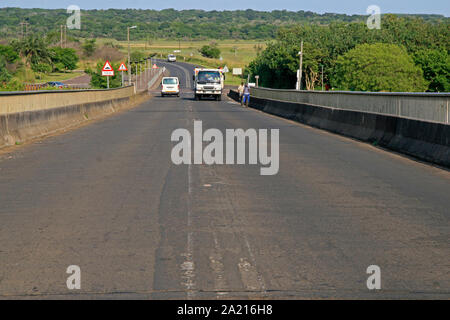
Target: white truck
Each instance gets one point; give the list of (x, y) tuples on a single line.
[(208, 83)]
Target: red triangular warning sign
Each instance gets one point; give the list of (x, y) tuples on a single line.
[(107, 67), (123, 67), (107, 70)]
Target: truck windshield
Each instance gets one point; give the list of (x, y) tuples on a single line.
[(208, 77)]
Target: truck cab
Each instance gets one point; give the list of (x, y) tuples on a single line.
[(208, 83)]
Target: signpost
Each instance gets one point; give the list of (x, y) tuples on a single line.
[(237, 71), (123, 68), (107, 71)]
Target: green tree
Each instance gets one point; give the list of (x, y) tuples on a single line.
[(276, 65), (137, 55), (5, 76), (64, 58), (435, 64), (89, 46), (210, 51), (200, 24), (33, 50), (324, 43), (9, 54), (378, 67)]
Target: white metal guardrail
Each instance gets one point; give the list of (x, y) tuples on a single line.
[(422, 106)]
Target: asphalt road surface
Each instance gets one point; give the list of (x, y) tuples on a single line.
[(107, 198)]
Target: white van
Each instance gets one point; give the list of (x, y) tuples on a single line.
[(170, 86), (172, 58)]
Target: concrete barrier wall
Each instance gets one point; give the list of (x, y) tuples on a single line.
[(24, 126), (28, 115), (428, 141), (32, 101), (421, 106)]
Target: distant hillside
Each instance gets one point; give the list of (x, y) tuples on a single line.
[(169, 23)]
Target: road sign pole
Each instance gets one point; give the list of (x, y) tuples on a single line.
[(122, 79), (107, 71)]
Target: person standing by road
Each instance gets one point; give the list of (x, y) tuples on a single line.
[(241, 92), (246, 99)]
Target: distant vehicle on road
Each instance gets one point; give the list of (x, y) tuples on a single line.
[(208, 83), (170, 86), (172, 58), (57, 84)]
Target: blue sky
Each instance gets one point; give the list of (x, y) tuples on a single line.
[(320, 6)]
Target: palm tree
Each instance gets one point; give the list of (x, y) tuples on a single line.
[(35, 54), (33, 50)]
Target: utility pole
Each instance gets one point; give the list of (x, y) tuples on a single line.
[(65, 36), (129, 63), (301, 68), (129, 58)]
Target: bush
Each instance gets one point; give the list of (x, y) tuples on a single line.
[(42, 68), (137, 55), (13, 85), (64, 58), (98, 81), (89, 46), (5, 76), (59, 67), (210, 51)]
